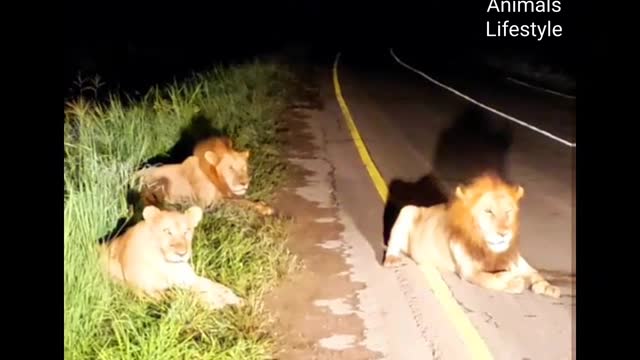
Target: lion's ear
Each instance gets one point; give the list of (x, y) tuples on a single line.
[(195, 214), (149, 212), (460, 192), (245, 154), (518, 192), (211, 158)]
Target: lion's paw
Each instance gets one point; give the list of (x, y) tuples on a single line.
[(391, 261), (217, 296), (544, 288), (264, 209), (515, 285)]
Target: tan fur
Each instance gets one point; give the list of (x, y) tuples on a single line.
[(227, 169), (222, 164), (461, 237), (178, 184), (154, 256), (214, 172)]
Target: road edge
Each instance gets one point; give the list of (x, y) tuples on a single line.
[(475, 344)]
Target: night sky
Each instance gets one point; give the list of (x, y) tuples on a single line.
[(134, 46)]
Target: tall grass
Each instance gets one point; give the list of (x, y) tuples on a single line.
[(104, 145)]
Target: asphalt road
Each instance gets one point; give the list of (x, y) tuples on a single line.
[(416, 130)]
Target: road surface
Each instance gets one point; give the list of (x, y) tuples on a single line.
[(416, 130)]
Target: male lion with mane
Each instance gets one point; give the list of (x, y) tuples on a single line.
[(154, 256), (214, 172), (475, 235)]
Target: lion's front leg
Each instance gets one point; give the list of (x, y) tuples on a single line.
[(182, 276), (214, 294), (537, 283), (260, 206), (501, 281), (399, 236), (472, 271)]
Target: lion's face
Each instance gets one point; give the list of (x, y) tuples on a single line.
[(495, 212), (233, 167), (173, 231)]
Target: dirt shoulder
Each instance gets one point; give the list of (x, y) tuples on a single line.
[(343, 304), (315, 311)]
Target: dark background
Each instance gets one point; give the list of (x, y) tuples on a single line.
[(135, 45)]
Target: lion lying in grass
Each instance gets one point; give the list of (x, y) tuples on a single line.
[(215, 172), (154, 256)]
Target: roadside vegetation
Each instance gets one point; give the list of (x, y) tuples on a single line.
[(105, 143)]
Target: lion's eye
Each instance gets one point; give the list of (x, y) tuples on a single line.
[(167, 231), (488, 211)]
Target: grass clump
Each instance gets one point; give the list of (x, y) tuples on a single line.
[(104, 145)]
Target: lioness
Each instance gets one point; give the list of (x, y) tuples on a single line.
[(154, 255), (475, 235)]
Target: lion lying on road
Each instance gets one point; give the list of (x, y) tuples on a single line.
[(475, 236), (153, 256), (214, 172)]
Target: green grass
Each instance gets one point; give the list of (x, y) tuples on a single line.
[(104, 145)]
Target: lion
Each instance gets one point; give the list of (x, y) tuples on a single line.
[(153, 256), (474, 235), (214, 172)]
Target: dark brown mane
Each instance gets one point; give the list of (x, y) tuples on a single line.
[(155, 193)]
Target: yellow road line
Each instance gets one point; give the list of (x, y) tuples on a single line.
[(478, 349), (378, 181)]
